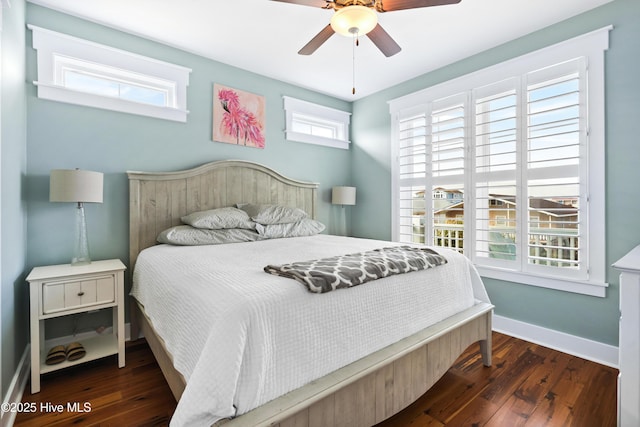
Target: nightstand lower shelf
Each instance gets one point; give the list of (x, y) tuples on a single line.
[(96, 348)]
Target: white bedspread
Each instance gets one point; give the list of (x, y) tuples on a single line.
[(242, 337)]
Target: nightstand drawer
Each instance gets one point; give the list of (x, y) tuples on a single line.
[(72, 294)]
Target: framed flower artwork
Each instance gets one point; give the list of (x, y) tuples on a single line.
[(238, 117)]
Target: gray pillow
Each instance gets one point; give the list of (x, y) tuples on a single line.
[(304, 227), (186, 235), (273, 214), (218, 219)]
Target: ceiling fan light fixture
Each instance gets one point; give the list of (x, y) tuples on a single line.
[(355, 19)]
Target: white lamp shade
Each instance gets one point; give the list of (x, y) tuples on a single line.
[(343, 195), (354, 19), (75, 185)]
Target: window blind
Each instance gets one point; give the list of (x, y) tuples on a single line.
[(497, 172), (449, 120), (496, 141), (413, 160), (556, 169)]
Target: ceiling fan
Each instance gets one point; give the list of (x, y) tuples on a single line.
[(358, 17)]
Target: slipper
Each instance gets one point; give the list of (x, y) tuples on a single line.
[(56, 355), (75, 351)]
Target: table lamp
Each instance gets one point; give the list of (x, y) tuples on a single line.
[(77, 186), (343, 196)]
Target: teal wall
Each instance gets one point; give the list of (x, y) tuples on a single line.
[(13, 112), (69, 136), (590, 317)]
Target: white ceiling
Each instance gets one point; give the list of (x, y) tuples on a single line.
[(264, 36)]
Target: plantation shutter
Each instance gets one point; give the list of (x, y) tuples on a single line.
[(413, 160), (431, 157), (517, 148), (447, 145), (555, 170), (506, 165), (496, 140)]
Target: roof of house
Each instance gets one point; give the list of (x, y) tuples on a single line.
[(549, 207)]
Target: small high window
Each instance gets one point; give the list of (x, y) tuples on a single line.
[(316, 124), (80, 72)]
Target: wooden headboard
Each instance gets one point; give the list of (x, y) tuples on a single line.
[(157, 200)]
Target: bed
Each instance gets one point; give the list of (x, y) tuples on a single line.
[(362, 392)]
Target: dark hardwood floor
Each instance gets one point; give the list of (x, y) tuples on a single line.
[(136, 395), (528, 385)]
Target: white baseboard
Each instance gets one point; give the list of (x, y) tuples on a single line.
[(581, 347), (16, 388)]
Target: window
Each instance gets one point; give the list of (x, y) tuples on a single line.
[(506, 166), (316, 124), (80, 72), (84, 76)]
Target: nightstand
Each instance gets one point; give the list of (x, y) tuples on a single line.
[(62, 290)]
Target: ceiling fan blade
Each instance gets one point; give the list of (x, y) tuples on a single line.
[(317, 41), (383, 40), (313, 3), (391, 5)]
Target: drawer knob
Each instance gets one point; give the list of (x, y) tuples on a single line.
[(80, 293)]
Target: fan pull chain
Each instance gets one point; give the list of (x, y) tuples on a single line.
[(356, 43)]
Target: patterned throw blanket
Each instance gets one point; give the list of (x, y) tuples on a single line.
[(345, 271)]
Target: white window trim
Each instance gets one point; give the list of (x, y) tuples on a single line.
[(50, 44), (591, 45), (293, 105)]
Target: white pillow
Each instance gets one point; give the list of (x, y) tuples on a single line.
[(186, 235), (273, 214), (218, 219), (304, 227)]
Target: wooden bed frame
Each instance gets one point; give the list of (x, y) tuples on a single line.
[(363, 393)]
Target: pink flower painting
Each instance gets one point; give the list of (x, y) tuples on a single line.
[(238, 117)]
